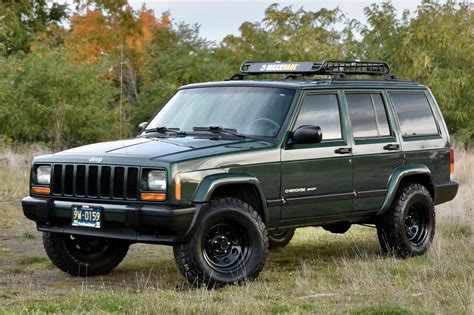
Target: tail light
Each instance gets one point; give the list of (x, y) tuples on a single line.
[(451, 162)]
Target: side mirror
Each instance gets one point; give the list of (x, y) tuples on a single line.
[(306, 134), (142, 126)]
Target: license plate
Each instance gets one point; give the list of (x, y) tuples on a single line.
[(86, 216)]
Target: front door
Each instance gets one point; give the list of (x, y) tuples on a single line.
[(317, 178)]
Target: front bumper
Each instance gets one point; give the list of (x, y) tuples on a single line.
[(145, 223)]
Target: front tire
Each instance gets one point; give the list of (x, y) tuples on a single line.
[(408, 227), (280, 238), (84, 255), (230, 245)]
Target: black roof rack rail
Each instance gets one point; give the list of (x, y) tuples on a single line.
[(339, 68)]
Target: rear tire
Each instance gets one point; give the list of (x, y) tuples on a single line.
[(280, 238), (408, 227), (230, 245), (84, 255)]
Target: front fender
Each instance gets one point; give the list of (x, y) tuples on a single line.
[(396, 178), (209, 184)]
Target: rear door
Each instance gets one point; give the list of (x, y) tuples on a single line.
[(317, 178), (376, 151)]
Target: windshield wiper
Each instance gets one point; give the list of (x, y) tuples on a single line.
[(165, 130), (221, 130)]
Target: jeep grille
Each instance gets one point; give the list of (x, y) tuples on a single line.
[(95, 181)]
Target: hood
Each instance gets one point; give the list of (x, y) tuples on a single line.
[(166, 149)]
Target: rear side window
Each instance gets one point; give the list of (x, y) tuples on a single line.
[(414, 113), (368, 115), (321, 110)]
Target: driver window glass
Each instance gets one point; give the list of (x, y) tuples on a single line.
[(321, 110)]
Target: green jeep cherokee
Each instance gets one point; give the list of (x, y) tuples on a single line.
[(226, 170)]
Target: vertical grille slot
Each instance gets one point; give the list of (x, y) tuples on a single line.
[(57, 175), (81, 180), (132, 183), (92, 181), (105, 181), (68, 179), (119, 177)]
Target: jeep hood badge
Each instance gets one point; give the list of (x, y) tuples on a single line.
[(95, 159)]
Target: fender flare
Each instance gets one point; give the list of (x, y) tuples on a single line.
[(209, 184), (395, 179)]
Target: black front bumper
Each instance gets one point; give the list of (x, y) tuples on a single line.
[(145, 223)]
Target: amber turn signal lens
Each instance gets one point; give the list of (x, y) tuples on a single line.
[(153, 196), (39, 190), (177, 187), (451, 162)]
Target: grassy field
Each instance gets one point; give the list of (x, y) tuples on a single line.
[(318, 272)]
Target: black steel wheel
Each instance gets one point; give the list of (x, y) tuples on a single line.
[(230, 245), (408, 227), (280, 238), (226, 246), (416, 224), (84, 256)]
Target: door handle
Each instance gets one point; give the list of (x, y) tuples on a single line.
[(391, 147), (343, 151)]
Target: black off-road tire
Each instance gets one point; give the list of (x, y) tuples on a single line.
[(408, 227), (280, 238), (212, 257), (83, 256)]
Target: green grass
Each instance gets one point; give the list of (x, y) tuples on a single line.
[(29, 235)]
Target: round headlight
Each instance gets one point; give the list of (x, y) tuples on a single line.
[(43, 175), (157, 180)]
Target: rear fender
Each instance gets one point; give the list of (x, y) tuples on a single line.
[(397, 176)]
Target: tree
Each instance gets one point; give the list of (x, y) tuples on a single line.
[(433, 46), (47, 97), (21, 21), (285, 34)]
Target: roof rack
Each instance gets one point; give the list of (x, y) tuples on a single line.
[(339, 68)]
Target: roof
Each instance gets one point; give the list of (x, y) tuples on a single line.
[(313, 84)]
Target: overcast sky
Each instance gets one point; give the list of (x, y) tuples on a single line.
[(219, 18)]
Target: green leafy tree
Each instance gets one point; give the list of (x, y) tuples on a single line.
[(434, 46), (47, 97), (22, 20), (285, 34)]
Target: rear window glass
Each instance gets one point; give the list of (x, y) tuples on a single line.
[(368, 115), (414, 113)]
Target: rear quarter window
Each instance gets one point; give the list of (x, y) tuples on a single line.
[(414, 114)]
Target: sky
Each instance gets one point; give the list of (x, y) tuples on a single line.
[(218, 18)]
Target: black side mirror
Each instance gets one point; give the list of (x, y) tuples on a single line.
[(306, 134), (142, 126)]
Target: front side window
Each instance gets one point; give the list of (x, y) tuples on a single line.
[(414, 113), (253, 111), (368, 115), (321, 110)]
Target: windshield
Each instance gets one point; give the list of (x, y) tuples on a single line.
[(253, 111)]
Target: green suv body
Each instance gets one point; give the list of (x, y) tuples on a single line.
[(227, 169)]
